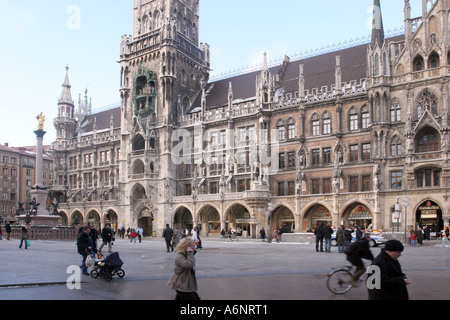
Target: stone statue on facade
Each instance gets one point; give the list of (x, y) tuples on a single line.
[(376, 178)]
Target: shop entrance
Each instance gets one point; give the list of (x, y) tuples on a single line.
[(316, 215), (359, 215), (284, 220), (429, 214)]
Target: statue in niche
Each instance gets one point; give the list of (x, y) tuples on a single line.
[(195, 186), (299, 177), (336, 184), (376, 178), (222, 184)]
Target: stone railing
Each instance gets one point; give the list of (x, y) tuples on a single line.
[(46, 233)]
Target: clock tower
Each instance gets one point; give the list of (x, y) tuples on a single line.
[(163, 69)]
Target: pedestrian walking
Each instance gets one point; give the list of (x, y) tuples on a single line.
[(228, 234), (394, 282), (327, 233), (184, 281), (84, 248), (359, 233), (24, 238), (168, 236), (419, 236), (8, 230), (107, 238), (140, 233), (94, 235), (176, 237), (262, 233), (413, 238), (195, 237), (133, 235), (199, 231), (319, 232), (340, 239)]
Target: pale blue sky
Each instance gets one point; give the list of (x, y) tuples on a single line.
[(39, 38)]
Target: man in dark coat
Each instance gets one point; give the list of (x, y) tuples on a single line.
[(8, 230), (84, 248), (319, 232), (168, 236), (355, 253), (107, 237), (393, 281)]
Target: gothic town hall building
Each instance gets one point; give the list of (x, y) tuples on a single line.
[(341, 137)]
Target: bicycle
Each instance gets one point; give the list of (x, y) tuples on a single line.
[(338, 281)]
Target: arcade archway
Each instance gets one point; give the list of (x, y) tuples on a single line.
[(358, 214), (77, 218), (315, 215), (112, 219), (284, 219), (429, 214), (210, 221), (239, 218), (94, 219), (183, 219)]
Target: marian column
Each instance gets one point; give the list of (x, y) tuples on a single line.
[(39, 192)]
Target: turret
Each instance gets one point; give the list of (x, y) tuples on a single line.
[(65, 123)]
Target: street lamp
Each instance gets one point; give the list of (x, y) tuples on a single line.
[(397, 214), (406, 203), (270, 208)]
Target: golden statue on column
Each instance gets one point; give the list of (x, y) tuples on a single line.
[(41, 120)]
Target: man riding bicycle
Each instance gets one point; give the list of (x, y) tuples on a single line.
[(355, 253)]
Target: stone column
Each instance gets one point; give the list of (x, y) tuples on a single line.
[(39, 192)]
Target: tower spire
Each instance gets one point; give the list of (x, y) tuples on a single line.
[(66, 94), (377, 25)]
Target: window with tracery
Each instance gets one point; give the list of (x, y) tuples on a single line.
[(427, 101)]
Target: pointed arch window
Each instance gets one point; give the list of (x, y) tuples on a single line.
[(377, 64), (315, 125), (281, 130), (396, 110), (326, 123), (433, 60), (418, 64), (396, 147), (291, 128), (353, 120), (365, 117)]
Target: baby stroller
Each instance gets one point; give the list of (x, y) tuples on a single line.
[(108, 267)]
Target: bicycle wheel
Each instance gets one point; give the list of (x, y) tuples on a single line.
[(338, 281)]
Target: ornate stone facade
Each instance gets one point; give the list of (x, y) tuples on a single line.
[(340, 137)]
